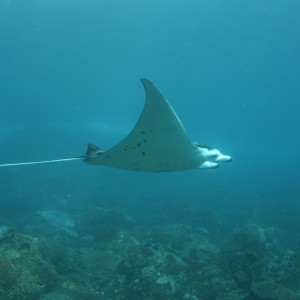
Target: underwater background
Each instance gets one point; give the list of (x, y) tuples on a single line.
[(69, 75)]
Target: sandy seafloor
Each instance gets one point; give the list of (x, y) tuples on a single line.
[(69, 75)]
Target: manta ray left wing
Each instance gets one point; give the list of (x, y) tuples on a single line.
[(158, 141)]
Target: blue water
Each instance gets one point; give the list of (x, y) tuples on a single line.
[(69, 75)]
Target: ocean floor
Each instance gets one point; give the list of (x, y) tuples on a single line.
[(101, 254)]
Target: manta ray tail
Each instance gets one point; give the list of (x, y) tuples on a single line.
[(42, 162)]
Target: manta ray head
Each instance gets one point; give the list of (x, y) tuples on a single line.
[(211, 156)]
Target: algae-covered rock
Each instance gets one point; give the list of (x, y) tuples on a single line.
[(23, 272), (267, 289), (270, 289), (250, 240), (55, 296)]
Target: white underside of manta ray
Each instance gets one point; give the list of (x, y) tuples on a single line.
[(157, 143)]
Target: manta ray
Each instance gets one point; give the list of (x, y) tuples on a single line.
[(157, 143)]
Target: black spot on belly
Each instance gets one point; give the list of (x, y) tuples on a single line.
[(143, 153), (143, 132), (138, 144), (145, 141)]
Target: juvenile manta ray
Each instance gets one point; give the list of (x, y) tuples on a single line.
[(157, 143)]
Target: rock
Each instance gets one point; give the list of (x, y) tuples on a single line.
[(250, 240), (270, 289), (267, 289), (24, 274)]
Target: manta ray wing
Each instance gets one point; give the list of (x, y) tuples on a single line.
[(158, 142)]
